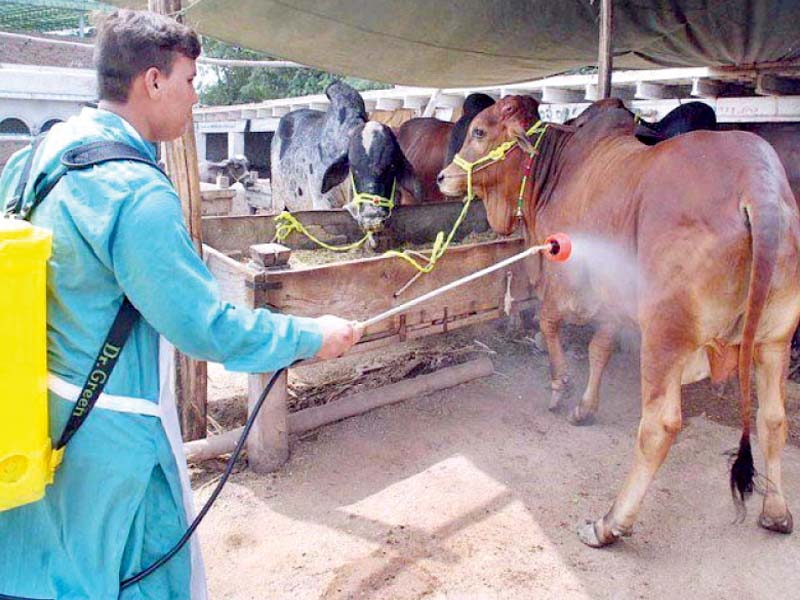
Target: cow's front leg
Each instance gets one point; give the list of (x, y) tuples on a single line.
[(560, 384), (600, 349), (660, 423)]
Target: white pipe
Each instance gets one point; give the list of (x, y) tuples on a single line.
[(452, 285)]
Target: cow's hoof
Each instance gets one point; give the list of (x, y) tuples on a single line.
[(587, 533), (559, 395), (581, 419), (783, 524)]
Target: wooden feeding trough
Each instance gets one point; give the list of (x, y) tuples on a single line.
[(358, 289), (216, 201)]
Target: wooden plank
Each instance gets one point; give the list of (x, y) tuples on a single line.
[(191, 381), (356, 404), (359, 403), (236, 281)]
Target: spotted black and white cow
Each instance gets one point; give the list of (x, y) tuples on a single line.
[(307, 142), (376, 170), (314, 152)]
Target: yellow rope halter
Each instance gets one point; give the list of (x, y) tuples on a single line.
[(373, 199), (286, 224), (440, 245), (496, 155)]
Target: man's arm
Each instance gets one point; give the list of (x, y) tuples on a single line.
[(162, 275)]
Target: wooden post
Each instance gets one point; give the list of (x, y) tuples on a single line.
[(268, 443), (180, 156), (604, 59)]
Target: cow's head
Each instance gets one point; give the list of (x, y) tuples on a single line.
[(378, 169), (345, 113), (237, 168), (494, 181)]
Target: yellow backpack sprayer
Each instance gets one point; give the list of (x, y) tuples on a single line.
[(25, 452), (28, 460)]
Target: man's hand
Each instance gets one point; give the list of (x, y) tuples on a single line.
[(338, 336)]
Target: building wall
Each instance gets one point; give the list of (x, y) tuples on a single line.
[(40, 95), (36, 113)]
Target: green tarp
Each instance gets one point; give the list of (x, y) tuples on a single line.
[(452, 43)]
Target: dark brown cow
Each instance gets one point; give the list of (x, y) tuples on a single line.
[(424, 142), (696, 239), (429, 145)]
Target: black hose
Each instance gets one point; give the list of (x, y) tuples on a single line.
[(228, 469)]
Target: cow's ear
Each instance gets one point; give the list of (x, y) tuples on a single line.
[(407, 178), (335, 173), (519, 134)]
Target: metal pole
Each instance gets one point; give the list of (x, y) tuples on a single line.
[(604, 58)]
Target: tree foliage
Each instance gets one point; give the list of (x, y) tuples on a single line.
[(239, 85)]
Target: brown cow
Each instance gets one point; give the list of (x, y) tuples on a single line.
[(698, 236)]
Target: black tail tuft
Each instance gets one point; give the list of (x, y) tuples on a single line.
[(742, 472)]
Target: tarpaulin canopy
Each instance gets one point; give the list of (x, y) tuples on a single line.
[(453, 43)]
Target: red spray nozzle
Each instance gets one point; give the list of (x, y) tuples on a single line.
[(560, 247)]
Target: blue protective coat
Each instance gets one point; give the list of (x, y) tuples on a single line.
[(116, 504)]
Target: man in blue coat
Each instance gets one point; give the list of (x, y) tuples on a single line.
[(121, 497)]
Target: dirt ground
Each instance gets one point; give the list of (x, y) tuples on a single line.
[(475, 492)]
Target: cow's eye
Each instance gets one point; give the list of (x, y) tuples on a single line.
[(478, 133)]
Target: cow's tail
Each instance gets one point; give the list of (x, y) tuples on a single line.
[(764, 221)]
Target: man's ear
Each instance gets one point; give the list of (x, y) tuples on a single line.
[(335, 173), (152, 81)]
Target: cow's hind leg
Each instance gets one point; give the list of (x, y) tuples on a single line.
[(771, 361), (560, 383), (600, 349), (659, 424)]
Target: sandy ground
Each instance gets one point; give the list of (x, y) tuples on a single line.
[(475, 491)]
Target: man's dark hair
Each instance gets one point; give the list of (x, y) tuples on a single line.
[(130, 42)]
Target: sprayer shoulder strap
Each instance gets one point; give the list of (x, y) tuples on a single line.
[(82, 157), (14, 207), (101, 370)]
